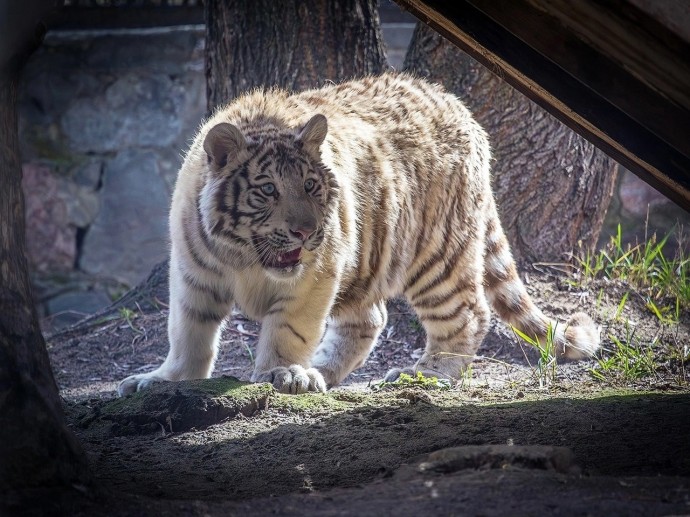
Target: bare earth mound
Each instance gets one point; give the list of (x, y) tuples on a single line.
[(509, 439)]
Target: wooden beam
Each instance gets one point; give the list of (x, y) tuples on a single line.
[(99, 18), (603, 68)]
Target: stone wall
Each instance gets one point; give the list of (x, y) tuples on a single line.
[(104, 118)]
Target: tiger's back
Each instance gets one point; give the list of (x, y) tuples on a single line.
[(315, 208)]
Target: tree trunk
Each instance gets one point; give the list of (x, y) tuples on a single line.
[(36, 448), (553, 187), (294, 44)]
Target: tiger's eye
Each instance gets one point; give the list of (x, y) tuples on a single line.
[(268, 189), (309, 185)]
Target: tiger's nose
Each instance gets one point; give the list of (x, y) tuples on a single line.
[(303, 232)]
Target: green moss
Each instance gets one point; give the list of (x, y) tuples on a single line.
[(418, 381), (47, 148), (227, 387), (310, 403)]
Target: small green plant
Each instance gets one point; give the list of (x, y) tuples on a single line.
[(546, 370), (621, 306), (414, 323), (626, 360), (249, 351), (129, 316), (419, 380), (466, 377)]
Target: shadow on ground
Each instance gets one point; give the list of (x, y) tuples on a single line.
[(352, 453)]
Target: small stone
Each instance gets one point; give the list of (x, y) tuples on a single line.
[(69, 308), (540, 457)]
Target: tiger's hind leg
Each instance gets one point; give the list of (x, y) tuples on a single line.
[(455, 316), (349, 339)]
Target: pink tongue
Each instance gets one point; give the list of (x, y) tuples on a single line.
[(290, 257)]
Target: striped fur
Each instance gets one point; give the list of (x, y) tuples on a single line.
[(380, 187)]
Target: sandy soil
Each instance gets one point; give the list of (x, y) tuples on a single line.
[(485, 447)]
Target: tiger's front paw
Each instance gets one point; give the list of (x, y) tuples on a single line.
[(295, 379), (138, 382)]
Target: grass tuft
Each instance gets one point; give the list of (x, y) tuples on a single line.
[(546, 370), (663, 285), (663, 282), (627, 359)]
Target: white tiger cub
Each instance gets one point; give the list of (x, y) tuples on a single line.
[(310, 210)]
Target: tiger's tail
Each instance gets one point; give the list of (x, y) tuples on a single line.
[(578, 338)]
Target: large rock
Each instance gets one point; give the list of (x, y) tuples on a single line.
[(130, 233), (51, 239), (109, 122)]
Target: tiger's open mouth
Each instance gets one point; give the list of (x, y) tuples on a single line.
[(282, 260)]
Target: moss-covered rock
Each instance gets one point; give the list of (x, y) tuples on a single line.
[(180, 406)]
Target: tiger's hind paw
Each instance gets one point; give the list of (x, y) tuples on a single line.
[(394, 373)]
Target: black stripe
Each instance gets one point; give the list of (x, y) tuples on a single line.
[(292, 329), (219, 298), (380, 235), (203, 316), (435, 258), (230, 234), (221, 194), (421, 240), (264, 160), (450, 316), (434, 300), (401, 227), (281, 302), (453, 333), (196, 258), (255, 150), (210, 246), (447, 272), (433, 261)]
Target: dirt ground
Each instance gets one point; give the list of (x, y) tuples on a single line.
[(504, 441)]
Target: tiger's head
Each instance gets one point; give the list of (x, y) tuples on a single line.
[(267, 194)]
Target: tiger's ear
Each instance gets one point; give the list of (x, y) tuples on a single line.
[(222, 143), (313, 133)]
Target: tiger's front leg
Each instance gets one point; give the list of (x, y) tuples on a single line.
[(350, 337), (289, 336), (198, 306)]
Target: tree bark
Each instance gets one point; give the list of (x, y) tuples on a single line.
[(553, 187), (294, 44), (36, 448)]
